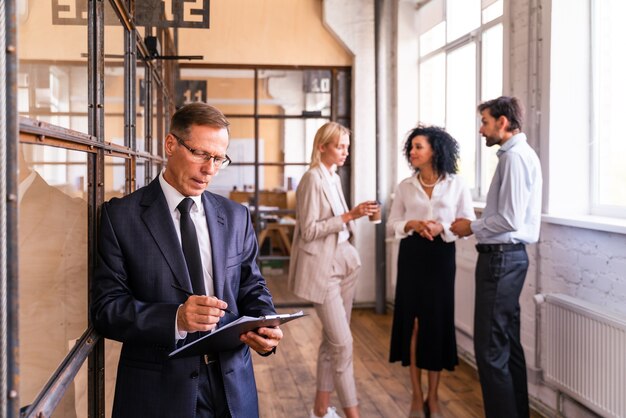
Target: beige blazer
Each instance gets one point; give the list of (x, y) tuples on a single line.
[(315, 237)]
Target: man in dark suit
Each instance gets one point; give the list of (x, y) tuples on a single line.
[(141, 283)]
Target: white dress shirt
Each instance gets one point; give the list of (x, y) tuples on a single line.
[(335, 200), (513, 210), (173, 198), (450, 199)]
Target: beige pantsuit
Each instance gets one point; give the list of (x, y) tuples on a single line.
[(325, 272)]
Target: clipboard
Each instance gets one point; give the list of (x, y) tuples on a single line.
[(226, 338)]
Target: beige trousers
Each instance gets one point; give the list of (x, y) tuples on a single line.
[(334, 363)]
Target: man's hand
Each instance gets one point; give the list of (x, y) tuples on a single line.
[(461, 227), (263, 340), (200, 313)]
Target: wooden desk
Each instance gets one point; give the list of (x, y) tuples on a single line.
[(279, 233), (282, 200)]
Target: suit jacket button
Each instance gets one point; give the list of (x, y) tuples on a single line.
[(194, 375)]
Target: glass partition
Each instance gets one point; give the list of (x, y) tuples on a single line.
[(52, 253), (140, 173), (230, 90), (140, 107), (115, 178), (287, 140), (295, 92), (274, 115), (158, 129), (64, 162), (114, 98), (52, 82)]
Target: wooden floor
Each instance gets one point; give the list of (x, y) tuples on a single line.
[(286, 381)]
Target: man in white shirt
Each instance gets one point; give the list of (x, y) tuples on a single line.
[(511, 219)]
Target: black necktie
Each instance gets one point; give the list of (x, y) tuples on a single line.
[(191, 249)]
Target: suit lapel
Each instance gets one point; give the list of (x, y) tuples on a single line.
[(159, 222), (325, 186), (216, 222)]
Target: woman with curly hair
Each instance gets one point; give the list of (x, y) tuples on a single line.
[(424, 206)]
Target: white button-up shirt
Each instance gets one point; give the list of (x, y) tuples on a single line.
[(333, 181), (513, 210), (174, 197), (450, 199)]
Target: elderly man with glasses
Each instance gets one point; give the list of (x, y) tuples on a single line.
[(157, 246)]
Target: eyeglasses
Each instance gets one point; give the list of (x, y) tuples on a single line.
[(203, 157)]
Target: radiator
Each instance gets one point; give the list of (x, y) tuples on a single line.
[(585, 353)]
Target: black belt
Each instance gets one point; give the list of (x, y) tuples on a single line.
[(209, 358), (499, 248)]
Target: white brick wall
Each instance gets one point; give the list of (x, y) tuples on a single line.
[(587, 264)]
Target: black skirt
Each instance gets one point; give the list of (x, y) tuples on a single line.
[(425, 290)]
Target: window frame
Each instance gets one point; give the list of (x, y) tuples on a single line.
[(596, 208), (481, 186)]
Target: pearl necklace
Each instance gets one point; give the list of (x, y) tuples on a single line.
[(419, 177)]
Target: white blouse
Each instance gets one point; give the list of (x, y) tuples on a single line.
[(450, 199)]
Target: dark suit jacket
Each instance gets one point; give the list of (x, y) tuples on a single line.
[(133, 301)]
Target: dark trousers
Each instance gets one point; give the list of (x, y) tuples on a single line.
[(211, 396), (499, 355)]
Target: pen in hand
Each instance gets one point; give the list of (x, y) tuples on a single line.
[(188, 293)]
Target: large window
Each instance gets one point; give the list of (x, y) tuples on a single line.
[(460, 65), (608, 195)]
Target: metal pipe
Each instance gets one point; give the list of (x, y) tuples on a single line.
[(380, 258), (53, 391), (534, 103), (9, 405), (95, 31)]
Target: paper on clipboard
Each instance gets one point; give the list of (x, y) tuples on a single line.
[(227, 337)]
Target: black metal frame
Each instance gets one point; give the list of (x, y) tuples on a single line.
[(90, 346), (342, 117), (9, 371)]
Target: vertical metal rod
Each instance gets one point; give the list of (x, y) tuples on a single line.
[(257, 213), (380, 257), (3, 209), (9, 404), (95, 192), (147, 119)]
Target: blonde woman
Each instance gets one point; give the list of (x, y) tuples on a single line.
[(324, 265)]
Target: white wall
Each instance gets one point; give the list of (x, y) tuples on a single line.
[(352, 22)]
